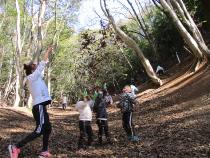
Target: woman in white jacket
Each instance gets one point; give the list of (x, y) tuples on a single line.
[(41, 99), (85, 118)]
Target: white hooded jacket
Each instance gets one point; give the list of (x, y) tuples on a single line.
[(37, 86), (85, 113)]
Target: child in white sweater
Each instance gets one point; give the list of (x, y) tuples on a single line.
[(41, 99), (85, 118)]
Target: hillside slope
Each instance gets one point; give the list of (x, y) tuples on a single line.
[(173, 121)]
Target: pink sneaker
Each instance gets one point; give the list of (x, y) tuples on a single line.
[(13, 151), (45, 154)]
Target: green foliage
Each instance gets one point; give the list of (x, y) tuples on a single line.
[(92, 60), (197, 12), (167, 38)]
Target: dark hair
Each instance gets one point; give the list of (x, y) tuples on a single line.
[(104, 92), (87, 97), (28, 69)]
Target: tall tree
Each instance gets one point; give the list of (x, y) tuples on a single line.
[(131, 44), (42, 10), (140, 20), (177, 10), (18, 99)]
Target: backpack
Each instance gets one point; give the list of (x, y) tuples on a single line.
[(126, 104)]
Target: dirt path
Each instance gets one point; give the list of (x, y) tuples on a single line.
[(173, 121)]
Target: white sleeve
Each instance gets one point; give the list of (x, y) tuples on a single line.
[(91, 103), (38, 72), (80, 105), (111, 100), (136, 89)]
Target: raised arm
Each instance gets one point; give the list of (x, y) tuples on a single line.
[(41, 65), (46, 54), (80, 105)]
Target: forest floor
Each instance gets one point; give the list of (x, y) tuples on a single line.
[(173, 121)]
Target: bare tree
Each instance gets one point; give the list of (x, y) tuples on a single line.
[(142, 24), (42, 9), (131, 44), (18, 98), (187, 28)]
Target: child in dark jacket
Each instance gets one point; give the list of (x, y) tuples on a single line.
[(99, 108), (127, 101)]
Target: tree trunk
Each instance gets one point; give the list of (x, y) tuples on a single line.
[(18, 99), (9, 79), (193, 28), (126, 58), (133, 45), (1, 59), (190, 41), (39, 35), (148, 35), (17, 91), (31, 36), (4, 14)]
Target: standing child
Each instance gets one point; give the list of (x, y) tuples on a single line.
[(85, 118), (99, 108), (108, 98), (64, 102), (41, 99), (127, 101), (134, 89)]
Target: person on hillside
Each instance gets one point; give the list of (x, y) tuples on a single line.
[(134, 89), (64, 102), (85, 118), (160, 70), (108, 98), (41, 99), (126, 104), (99, 108)]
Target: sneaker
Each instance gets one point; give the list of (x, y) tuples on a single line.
[(135, 139), (81, 146), (108, 139), (45, 154), (130, 137), (13, 151)]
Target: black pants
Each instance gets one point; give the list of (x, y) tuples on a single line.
[(102, 128), (86, 134), (127, 121), (64, 106), (43, 126), (160, 72)]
